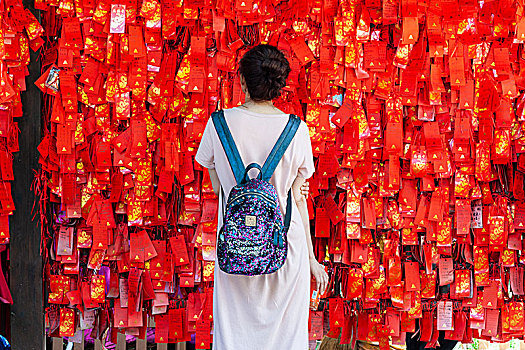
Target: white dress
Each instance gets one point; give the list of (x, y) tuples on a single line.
[(266, 311)]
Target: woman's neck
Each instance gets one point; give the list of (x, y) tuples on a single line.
[(260, 106)]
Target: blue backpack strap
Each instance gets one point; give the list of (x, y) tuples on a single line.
[(232, 153), (280, 147), (288, 213), (273, 160), (278, 239)]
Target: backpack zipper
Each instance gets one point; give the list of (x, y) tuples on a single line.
[(256, 194)]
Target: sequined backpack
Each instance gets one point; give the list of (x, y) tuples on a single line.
[(252, 240)]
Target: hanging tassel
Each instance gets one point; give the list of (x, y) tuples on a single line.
[(329, 344), (333, 344)]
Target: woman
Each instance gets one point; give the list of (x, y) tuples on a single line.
[(265, 311)]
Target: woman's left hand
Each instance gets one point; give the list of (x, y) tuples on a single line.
[(320, 275)]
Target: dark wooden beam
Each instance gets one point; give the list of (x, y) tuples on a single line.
[(27, 319)]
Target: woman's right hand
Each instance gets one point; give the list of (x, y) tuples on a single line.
[(305, 189), (320, 275)]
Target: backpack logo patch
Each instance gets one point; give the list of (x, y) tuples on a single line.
[(250, 220)]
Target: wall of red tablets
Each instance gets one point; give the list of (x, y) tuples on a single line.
[(416, 116)]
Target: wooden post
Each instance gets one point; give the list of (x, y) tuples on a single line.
[(98, 344), (121, 341), (27, 319), (141, 344), (58, 343), (79, 346)]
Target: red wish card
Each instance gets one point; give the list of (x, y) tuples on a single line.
[(412, 282), (179, 250), (315, 329)]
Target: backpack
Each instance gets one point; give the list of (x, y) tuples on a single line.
[(252, 240)]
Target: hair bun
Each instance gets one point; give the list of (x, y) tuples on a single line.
[(265, 70)]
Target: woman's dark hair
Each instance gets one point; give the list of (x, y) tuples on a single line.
[(265, 70)]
